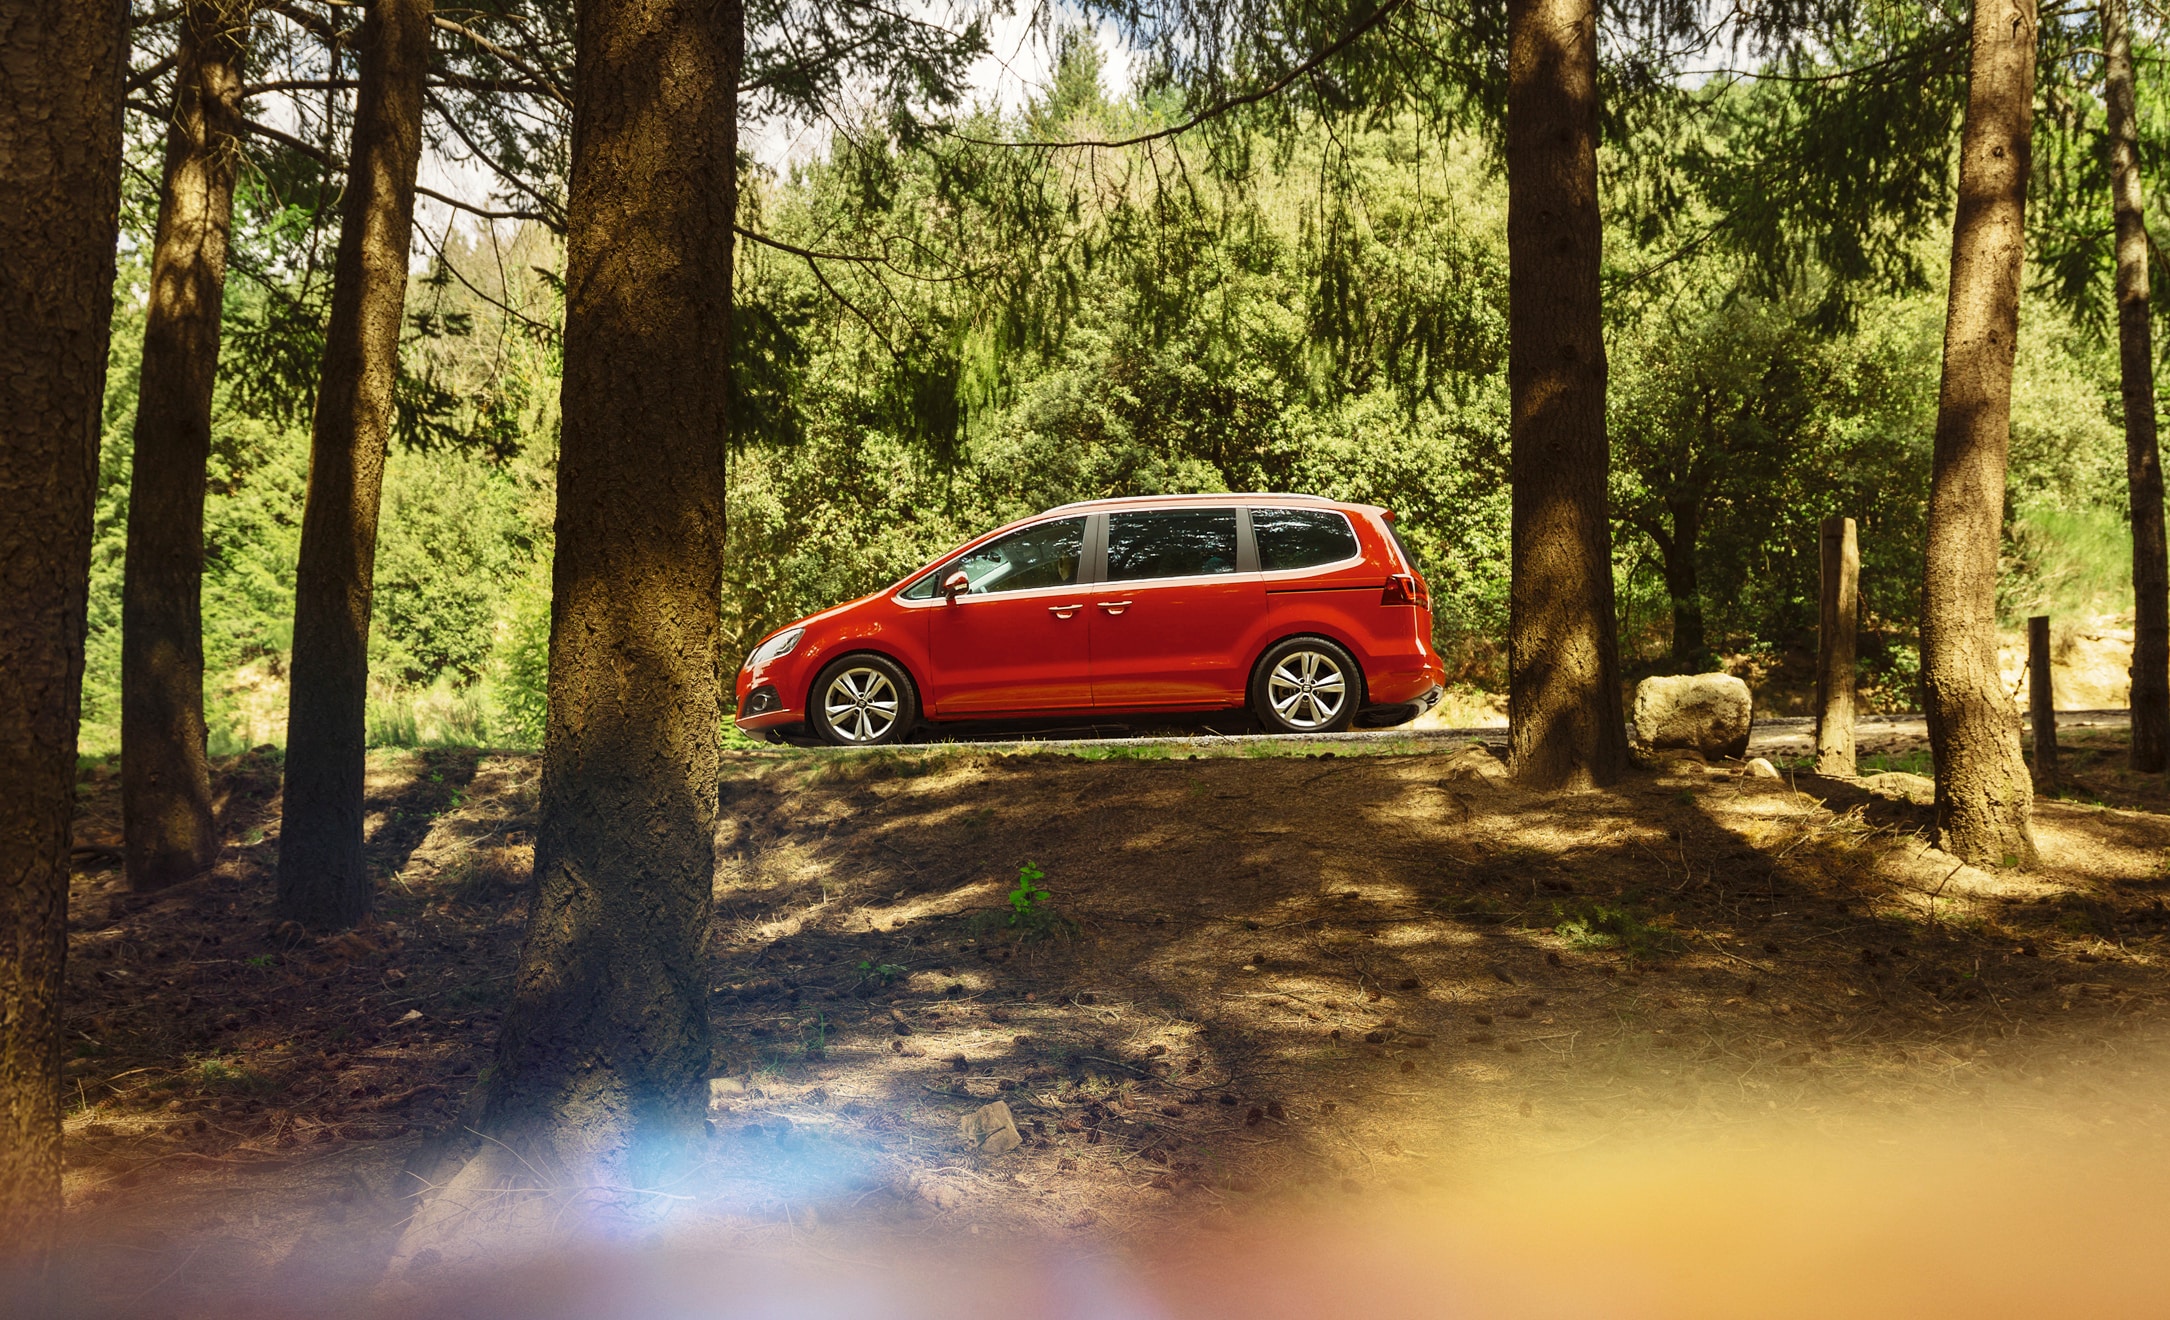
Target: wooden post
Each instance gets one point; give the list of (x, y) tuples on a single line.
[(1835, 648), (2041, 700)]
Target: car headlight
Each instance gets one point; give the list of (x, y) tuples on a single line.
[(775, 648)]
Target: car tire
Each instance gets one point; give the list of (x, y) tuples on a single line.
[(863, 700), (1296, 683)]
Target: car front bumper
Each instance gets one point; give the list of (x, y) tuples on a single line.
[(763, 701)]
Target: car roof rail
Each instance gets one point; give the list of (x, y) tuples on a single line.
[(1202, 495)]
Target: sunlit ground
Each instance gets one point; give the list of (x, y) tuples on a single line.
[(1303, 1031)]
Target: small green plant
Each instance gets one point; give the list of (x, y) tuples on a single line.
[(881, 973), (1028, 896), (1031, 912), (234, 1077), (261, 961), (1916, 762), (1599, 926)]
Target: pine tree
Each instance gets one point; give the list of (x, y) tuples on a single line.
[(2150, 699), (60, 179), (165, 771), (1567, 727), (604, 1055), (323, 881), (1983, 796)]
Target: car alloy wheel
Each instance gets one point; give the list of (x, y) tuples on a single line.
[(861, 704), (1308, 689)]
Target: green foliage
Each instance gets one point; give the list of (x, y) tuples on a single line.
[(451, 538), (461, 608), (444, 714), (1916, 762), (1736, 429), (521, 664)]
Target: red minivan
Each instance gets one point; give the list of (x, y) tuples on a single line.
[(1307, 611)]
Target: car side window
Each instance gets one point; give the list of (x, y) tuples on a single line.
[(1042, 555), (1163, 543), (1301, 538)]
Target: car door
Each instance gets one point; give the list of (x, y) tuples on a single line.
[(1176, 613), (1015, 641)]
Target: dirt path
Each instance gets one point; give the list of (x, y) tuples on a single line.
[(1259, 981), (1780, 737)]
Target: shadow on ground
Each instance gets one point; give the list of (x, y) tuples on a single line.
[(1295, 982)]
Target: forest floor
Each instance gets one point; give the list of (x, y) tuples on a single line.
[(1259, 984)]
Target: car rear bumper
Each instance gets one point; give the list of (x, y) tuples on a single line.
[(1398, 680), (1400, 712)]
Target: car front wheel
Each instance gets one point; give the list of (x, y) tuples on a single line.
[(1306, 685), (864, 701)]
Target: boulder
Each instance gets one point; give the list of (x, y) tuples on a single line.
[(1475, 763), (991, 1129), (1704, 713), (1900, 786)]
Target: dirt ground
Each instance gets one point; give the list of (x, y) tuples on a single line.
[(1257, 984)]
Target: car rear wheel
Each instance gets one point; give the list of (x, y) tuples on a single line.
[(864, 701), (1306, 685)]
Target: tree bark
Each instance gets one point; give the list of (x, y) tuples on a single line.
[(1690, 652), (1983, 797), (1838, 618), (2150, 699), (60, 178), (323, 882), (603, 1060), (165, 772), (1563, 649)]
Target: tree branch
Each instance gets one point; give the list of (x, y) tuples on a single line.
[(143, 78), (556, 93), (1378, 16)]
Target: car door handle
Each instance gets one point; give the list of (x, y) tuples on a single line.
[(1065, 611), (1115, 606)]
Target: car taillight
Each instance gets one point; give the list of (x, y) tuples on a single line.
[(1403, 589)]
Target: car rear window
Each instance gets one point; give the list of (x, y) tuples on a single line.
[(1165, 543), (1301, 538)]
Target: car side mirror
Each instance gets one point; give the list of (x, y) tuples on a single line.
[(955, 585)]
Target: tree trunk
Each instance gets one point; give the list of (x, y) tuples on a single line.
[(1690, 653), (2042, 700), (1838, 618), (1563, 649), (2136, 371), (322, 880), (603, 1060), (1983, 798), (165, 776), (60, 180)]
